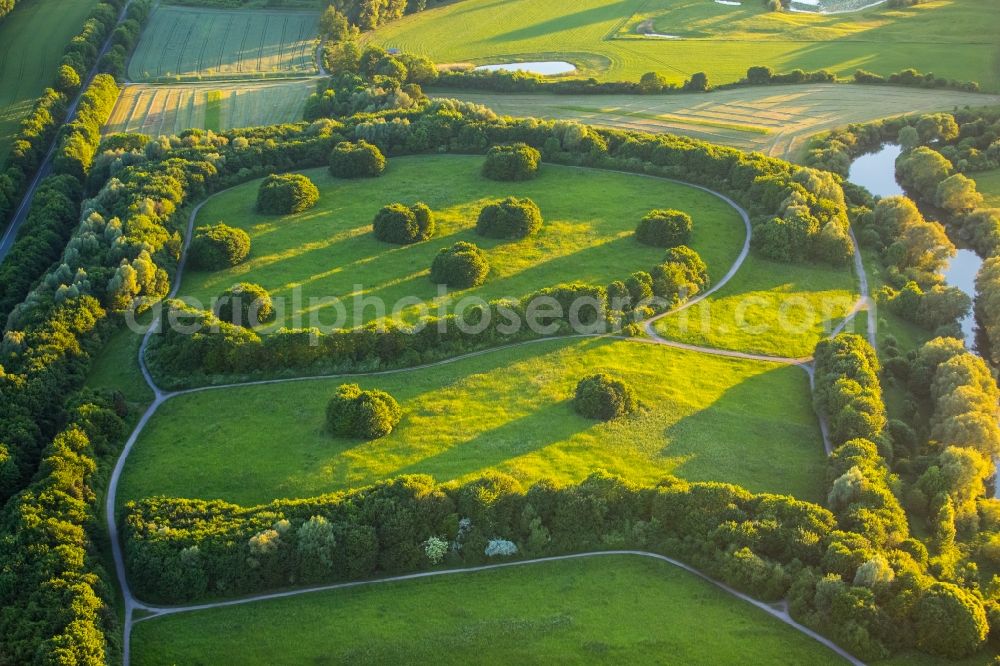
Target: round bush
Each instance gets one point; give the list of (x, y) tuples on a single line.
[(352, 412), (245, 304), (516, 161), (286, 193), (509, 218), (664, 228), (462, 265), (603, 397), (402, 224), (218, 246), (356, 160)]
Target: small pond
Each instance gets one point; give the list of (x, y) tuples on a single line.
[(877, 173), (545, 68)]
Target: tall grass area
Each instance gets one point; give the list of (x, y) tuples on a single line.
[(552, 612), (183, 43), (213, 110), (330, 251), (703, 418), (953, 38), (32, 40), (771, 308), (988, 183)]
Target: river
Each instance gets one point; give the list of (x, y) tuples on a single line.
[(876, 172)]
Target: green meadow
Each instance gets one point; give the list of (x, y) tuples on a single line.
[(703, 417), (952, 38), (551, 612), (330, 251)]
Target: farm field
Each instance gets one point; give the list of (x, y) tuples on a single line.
[(703, 418), (551, 612), (988, 183), (32, 40), (330, 251), (184, 43), (951, 38), (768, 308), (169, 109), (776, 120)]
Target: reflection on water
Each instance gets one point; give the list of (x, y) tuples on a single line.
[(876, 172), (550, 67)]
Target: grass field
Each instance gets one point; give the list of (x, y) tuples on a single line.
[(329, 251), (775, 120), (187, 43), (952, 38), (988, 182), (768, 308), (552, 612), (168, 109), (32, 40), (703, 418)]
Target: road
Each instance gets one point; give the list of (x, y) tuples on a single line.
[(132, 604), (10, 235)]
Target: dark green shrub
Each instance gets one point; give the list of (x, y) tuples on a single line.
[(218, 246), (509, 218), (402, 224), (603, 397), (356, 160), (286, 193), (462, 265), (664, 228), (245, 304), (516, 161), (950, 622), (352, 412)]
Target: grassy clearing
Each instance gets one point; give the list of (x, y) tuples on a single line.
[(988, 182), (187, 43), (773, 120), (329, 251), (908, 335), (116, 368), (768, 308), (169, 109), (553, 612), (952, 38), (32, 40), (704, 418)]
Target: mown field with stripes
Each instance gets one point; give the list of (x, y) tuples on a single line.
[(185, 43), (169, 109)]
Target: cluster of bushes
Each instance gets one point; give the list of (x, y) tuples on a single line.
[(218, 246), (356, 160), (912, 77), (511, 218), (664, 228), (404, 225), (371, 414), (461, 266), (285, 194), (847, 389), (245, 304), (604, 397), (516, 161)]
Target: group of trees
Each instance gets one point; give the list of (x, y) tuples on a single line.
[(403, 225), (603, 397), (284, 194), (461, 266), (664, 228), (218, 246), (511, 218), (912, 77), (515, 161), (370, 414)]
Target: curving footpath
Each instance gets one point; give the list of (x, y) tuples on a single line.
[(132, 604)]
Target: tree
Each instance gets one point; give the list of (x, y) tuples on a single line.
[(511, 218), (368, 415), (356, 160), (67, 80), (759, 76), (921, 169), (937, 127), (652, 82), (403, 225), (245, 304), (603, 397), (218, 246), (697, 82), (463, 265), (316, 542), (516, 161), (957, 194), (286, 193), (334, 26), (949, 622), (664, 228)]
